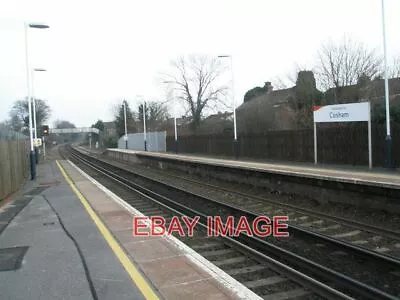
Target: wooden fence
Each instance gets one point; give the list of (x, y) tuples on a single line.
[(342, 144), (14, 166)]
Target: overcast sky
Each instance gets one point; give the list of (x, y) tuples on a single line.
[(99, 52)]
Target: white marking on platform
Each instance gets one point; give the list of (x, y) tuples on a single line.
[(229, 282)]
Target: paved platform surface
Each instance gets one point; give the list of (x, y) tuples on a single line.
[(389, 179), (65, 236), (49, 221), (175, 270)]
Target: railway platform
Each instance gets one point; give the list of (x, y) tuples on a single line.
[(359, 188), (389, 179), (65, 236)]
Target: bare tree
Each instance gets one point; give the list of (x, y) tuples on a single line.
[(195, 82), (156, 114), (344, 63), (394, 68), (119, 120), (63, 124), (19, 114), (278, 83)]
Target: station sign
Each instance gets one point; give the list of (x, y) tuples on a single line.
[(352, 112), (37, 142)]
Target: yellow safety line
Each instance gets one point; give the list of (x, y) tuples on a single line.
[(133, 272)]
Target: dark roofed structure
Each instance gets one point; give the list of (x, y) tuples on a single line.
[(363, 91), (287, 109), (268, 111)]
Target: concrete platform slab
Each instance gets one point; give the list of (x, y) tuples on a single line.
[(67, 256), (175, 271)]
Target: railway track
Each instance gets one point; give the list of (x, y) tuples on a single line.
[(320, 262), (263, 275), (383, 241)]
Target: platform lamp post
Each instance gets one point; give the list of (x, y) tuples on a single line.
[(126, 131), (32, 152), (34, 112), (235, 141), (175, 114), (389, 145), (144, 126)]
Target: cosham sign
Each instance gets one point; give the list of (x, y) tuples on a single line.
[(352, 112)]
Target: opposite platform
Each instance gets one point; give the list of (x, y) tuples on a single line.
[(372, 178)]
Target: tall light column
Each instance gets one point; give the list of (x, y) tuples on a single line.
[(126, 131), (235, 142), (32, 152), (389, 150), (175, 116), (34, 100), (175, 127), (34, 112), (144, 126)]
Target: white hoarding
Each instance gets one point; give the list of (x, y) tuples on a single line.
[(353, 112)]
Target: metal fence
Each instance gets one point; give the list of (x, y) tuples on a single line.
[(6, 134), (156, 141), (346, 144), (14, 161)]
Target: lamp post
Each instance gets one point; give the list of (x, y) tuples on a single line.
[(32, 152), (34, 112), (175, 114), (175, 128), (126, 132), (389, 152), (235, 141), (144, 126), (90, 141)]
